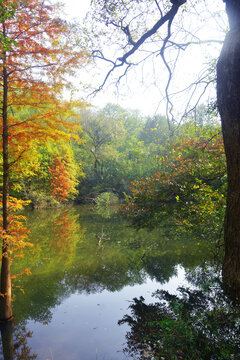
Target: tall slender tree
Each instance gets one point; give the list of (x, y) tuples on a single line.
[(7, 14), (37, 50)]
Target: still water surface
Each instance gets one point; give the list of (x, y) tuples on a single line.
[(86, 269)]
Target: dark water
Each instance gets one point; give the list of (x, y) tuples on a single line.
[(86, 269)]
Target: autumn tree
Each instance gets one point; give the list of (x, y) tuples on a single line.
[(63, 180), (37, 49), (50, 169), (135, 26), (189, 188)]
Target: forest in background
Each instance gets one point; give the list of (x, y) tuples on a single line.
[(130, 156), (125, 157)]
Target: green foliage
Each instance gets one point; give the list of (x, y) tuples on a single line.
[(7, 11), (156, 130), (116, 151), (41, 200), (181, 175), (190, 184), (106, 199), (103, 202)]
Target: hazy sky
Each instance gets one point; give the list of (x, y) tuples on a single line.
[(76, 8), (145, 94)]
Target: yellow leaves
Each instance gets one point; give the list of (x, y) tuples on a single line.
[(32, 127), (196, 186), (18, 204), (37, 68), (15, 238)]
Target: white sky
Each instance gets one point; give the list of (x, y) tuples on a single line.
[(76, 8), (145, 97)]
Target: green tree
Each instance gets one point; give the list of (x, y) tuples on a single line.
[(115, 152), (99, 154), (101, 130), (155, 130)]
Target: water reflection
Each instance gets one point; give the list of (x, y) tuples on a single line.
[(83, 258), (195, 323), (15, 342)]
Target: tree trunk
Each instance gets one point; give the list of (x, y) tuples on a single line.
[(7, 340), (228, 97), (5, 298)]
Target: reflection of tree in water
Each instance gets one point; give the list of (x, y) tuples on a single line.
[(204, 276), (68, 257), (66, 232), (161, 268), (14, 342), (200, 324), (41, 295), (103, 280)]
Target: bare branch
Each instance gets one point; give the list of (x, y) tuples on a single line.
[(121, 61), (126, 31), (210, 139), (158, 6), (168, 17), (187, 111), (125, 72), (169, 103), (19, 123), (183, 46), (98, 54)]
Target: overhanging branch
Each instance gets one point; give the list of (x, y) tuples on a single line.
[(121, 61)]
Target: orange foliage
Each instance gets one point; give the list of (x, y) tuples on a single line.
[(42, 52), (65, 227), (62, 182)]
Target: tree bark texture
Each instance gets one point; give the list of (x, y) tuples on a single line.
[(228, 97)]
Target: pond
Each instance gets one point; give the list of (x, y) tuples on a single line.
[(86, 269)]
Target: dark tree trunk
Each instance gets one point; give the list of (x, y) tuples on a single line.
[(7, 340), (5, 298), (228, 97)]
